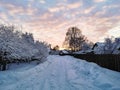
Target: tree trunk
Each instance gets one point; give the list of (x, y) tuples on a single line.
[(4, 65)]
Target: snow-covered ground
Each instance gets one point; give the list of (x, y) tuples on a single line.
[(60, 73)]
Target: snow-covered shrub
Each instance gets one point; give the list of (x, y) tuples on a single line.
[(116, 46), (41, 51), (87, 46), (109, 46), (15, 45)]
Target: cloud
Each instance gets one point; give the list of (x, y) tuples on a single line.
[(65, 7), (112, 32), (42, 1), (3, 16), (100, 13), (98, 1), (74, 5), (56, 9), (111, 6), (87, 11), (49, 20), (17, 13)]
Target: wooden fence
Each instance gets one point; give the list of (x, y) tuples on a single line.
[(109, 61)]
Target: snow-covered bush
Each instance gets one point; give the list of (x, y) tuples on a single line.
[(15, 45), (116, 46), (87, 46), (109, 46), (41, 51)]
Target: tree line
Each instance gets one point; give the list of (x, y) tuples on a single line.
[(76, 41)]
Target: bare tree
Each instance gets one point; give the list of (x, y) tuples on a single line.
[(74, 39)]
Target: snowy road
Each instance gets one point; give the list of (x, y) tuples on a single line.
[(61, 73)]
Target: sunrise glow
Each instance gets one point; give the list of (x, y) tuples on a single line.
[(49, 20)]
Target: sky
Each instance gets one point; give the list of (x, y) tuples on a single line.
[(49, 20)]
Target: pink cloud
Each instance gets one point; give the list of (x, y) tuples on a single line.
[(13, 10), (93, 27), (87, 11), (97, 1), (64, 7), (52, 24)]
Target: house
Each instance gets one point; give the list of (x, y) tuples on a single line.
[(98, 48)]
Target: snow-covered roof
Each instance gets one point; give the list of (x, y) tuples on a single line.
[(100, 44)]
